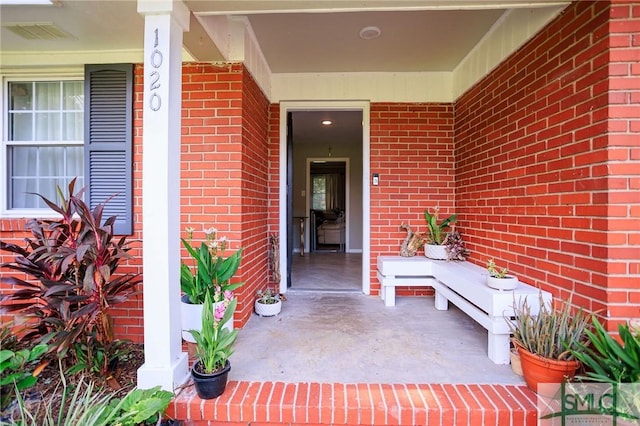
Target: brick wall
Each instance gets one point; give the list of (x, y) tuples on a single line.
[(254, 198), (542, 186), (412, 150), (224, 175), (623, 198)]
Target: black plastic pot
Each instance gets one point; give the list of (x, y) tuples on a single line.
[(209, 386)]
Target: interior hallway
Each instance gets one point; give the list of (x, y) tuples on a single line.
[(327, 271)]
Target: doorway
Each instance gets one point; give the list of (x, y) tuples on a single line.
[(295, 194)]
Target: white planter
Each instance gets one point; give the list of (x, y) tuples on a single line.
[(507, 283), (267, 309), (191, 318), (437, 252)]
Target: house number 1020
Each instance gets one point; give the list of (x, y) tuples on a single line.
[(155, 101)]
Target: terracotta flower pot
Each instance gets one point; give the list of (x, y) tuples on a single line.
[(538, 370)]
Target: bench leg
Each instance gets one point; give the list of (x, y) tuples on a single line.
[(389, 295), (498, 348), (441, 302)]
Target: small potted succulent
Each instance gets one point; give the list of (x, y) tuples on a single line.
[(214, 344), (499, 278), (436, 234), (268, 303)]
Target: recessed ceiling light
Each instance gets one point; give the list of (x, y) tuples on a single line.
[(369, 33), (327, 122)]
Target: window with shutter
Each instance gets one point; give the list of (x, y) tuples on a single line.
[(108, 141)]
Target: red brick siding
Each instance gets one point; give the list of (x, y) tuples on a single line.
[(412, 150), (255, 173), (540, 187), (623, 199), (224, 175)]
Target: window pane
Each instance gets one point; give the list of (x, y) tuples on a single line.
[(48, 96), (20, 126), (72, 126), (20, 193), (319, 189), (47, 126), (75, 162), (73, 94), (51, 162), (24, 161), (20, 96)]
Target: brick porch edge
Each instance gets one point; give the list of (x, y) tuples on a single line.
[(278, 403)]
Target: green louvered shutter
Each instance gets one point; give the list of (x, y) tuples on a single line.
[(108, 141)]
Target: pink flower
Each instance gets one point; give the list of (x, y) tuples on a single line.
[(228, 295), (219, 313)]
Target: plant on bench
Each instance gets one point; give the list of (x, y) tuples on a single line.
[(442, 241), (499, 279)]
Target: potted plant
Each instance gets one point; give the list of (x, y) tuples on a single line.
[(211, 275), (436, 233), (214, 343), (268, 303), (455, 247), (499, 278), (546, 342)]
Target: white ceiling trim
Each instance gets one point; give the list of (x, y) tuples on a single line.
[(258, 7), (374, 87), (510, 32)]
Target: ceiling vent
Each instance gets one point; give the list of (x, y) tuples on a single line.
[(37, 31)]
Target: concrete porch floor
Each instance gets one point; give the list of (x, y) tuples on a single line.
[(342, 337), (342, 358)]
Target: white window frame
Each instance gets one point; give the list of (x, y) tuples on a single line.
[(5, 211)]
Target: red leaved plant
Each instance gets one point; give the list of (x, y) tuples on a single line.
[(70, 264)]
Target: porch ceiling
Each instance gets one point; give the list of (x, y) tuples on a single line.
[(294, 36)]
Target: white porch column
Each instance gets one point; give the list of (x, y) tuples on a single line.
[(165, 363)]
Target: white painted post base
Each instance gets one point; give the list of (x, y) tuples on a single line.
[(389, 295), (169, 377), (441, 303), (498, 348)]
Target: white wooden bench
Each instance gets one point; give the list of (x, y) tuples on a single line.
[(396, 271), (463, 284)]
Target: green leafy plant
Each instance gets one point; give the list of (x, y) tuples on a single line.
[(551, 333), (84, 404), (71, 264), (139, 406), (268, 296), (214, 343), (18, 370), (92, 357), (212, 270), (437, 231), (606, 360), (494, 271)]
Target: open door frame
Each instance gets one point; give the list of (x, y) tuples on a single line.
[(347, 194), (289, 106)]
